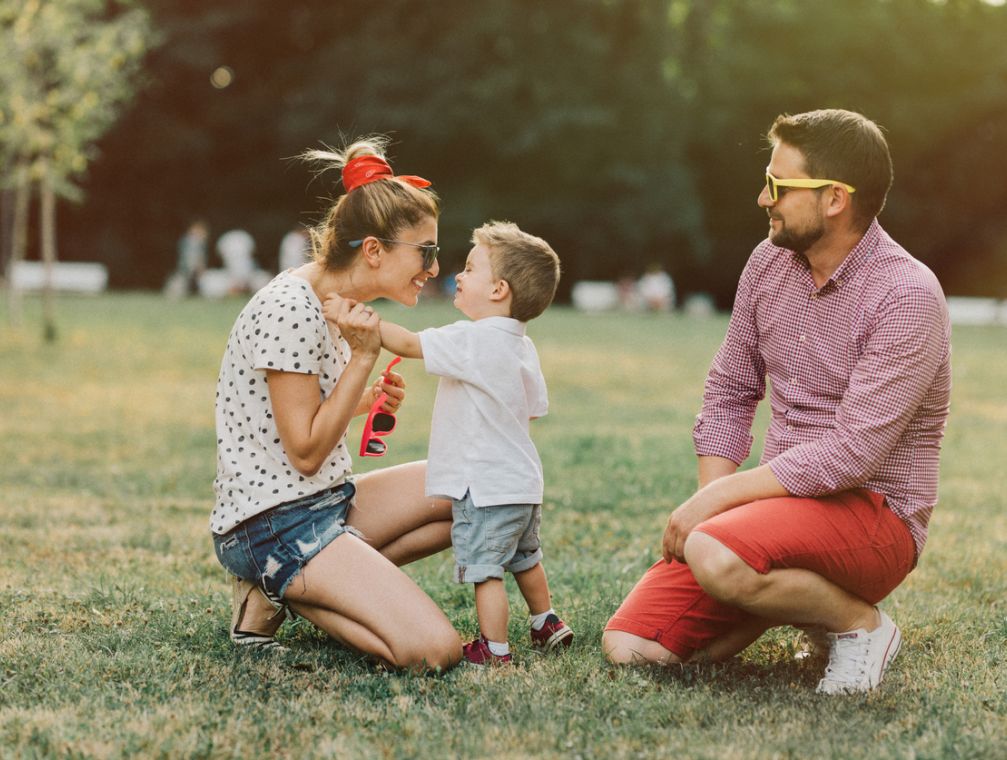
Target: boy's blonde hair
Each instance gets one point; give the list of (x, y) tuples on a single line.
[(528, 264)]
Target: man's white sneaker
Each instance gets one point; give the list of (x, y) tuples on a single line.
[(858, 659)]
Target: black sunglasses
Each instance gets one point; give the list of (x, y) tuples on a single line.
[(428, 250)]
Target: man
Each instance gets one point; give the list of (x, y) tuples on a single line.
[(853, 334)]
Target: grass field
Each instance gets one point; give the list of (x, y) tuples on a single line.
[(114, 610)]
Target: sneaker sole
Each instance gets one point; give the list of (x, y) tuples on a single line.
[(562, 637)]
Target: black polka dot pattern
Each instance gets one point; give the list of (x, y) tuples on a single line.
[(281, 328)]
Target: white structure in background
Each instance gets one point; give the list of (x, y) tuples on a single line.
[(594, 296), (977, 311), (656, 289), (67, 276), (295, 249), (240, 273)]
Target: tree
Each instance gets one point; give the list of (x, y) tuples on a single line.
[(69, 69)]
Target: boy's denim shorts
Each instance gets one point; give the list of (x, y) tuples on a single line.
[(490, 540), (272, 547)]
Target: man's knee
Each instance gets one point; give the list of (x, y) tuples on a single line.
[(720, 572), (621, 648)]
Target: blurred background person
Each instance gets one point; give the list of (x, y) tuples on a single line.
[(191, 260), (236, 249), (656, 289), (295, 249)]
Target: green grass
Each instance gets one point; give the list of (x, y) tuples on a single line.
[(113, 610)]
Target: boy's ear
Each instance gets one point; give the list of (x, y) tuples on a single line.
[(501, 289)]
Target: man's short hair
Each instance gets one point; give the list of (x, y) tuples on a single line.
[(844, 146), (528, 264)]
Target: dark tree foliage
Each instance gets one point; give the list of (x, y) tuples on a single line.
[(623, 131)]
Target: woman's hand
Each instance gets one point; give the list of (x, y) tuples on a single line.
[(358, 323), (393, 385)]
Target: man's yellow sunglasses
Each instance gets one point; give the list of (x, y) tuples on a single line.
[(773, 185)]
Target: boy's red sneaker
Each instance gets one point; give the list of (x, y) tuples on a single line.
[(478, 653), (553, 634)]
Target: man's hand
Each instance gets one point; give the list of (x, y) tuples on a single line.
[(682, 522), (723, 492)]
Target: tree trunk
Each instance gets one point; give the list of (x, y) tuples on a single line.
[(19, 239), (47, 226)]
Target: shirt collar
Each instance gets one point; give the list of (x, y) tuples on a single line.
[(854, 259), (860, 253), (507, 324)]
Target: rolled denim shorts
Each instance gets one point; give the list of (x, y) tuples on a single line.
[(272, 547), (490, 540)]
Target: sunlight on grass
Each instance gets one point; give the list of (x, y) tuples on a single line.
[(113, 639)]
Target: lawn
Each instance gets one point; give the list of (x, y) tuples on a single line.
[(113, 637)]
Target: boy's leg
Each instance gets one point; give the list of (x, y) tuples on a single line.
[(493, 609), (534, 588)]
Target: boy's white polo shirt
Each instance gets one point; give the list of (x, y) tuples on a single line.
[(491, 386)]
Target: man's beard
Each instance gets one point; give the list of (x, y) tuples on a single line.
[(799, 242)]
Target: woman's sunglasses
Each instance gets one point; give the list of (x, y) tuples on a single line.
[(378, 423), (428, 250), (773, 185)]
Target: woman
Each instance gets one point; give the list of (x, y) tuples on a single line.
[(288, 522)]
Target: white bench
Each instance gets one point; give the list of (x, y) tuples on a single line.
[(977, 311), (67, 276)]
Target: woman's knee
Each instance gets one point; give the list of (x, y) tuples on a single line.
[(435, 650)]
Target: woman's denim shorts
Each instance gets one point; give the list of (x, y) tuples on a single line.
[(272, 547)]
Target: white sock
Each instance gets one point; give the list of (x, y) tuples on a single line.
[(537, 621), (498, 648)]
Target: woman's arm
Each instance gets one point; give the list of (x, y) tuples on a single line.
[(310, 427)]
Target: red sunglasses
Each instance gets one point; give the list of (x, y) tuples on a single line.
[(378, 423)]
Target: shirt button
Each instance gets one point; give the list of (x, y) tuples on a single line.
[(802, 338)]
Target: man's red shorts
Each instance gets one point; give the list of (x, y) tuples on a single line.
[(851, 538)]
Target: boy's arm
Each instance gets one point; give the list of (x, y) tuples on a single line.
[(401, 341)]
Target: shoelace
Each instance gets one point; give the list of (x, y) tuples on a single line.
[(847, 659)]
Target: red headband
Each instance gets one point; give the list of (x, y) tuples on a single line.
[(365, 169)]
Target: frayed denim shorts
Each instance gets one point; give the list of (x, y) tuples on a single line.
[(272, 547), (490, 540)]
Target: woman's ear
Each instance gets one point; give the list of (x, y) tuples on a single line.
[(371, 250)]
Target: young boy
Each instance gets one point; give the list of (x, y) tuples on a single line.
[(481, 456)]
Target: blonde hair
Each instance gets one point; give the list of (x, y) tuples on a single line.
[(382, 208), (528, 264)]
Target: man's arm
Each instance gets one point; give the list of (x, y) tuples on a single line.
[(736, 382), (719, 495), (712, 468)]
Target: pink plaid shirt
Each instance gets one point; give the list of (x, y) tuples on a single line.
[(859, 370)]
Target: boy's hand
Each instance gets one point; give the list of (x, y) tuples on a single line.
[(357, 322), (332, 304)]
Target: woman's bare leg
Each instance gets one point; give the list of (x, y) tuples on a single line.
[(357, 596), (396, 518)]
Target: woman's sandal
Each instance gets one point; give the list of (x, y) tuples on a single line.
[(240, 591)]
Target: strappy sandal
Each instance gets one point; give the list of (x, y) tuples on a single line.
[(240, 591)]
